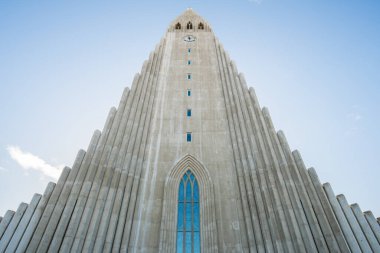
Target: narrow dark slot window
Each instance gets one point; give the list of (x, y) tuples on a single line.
[(189, 50), (188, 136), (188, 93), (188, 62), (188, 76), (188, 113)]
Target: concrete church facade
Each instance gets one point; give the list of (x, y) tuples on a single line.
[(189, 162)]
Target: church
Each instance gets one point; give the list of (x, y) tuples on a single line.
[(189, 162)]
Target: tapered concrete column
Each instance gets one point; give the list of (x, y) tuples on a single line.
[(365, 228), (348, 234), (35, 218), (38, 233), (5, 221), (332, 230), (353, 224), (373, 224), (23, 223), (7, 236)]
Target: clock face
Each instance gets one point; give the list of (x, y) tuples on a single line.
[(189, 38)]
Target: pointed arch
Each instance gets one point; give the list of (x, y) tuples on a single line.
[(178, 26), (189, 26), (201, 26), (208, 232)]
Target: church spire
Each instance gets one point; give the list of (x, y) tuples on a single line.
[(189, 20)]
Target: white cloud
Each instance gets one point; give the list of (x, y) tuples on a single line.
[(29, 161)]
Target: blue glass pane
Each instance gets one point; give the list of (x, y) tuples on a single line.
[(188, 242), (180, 217), (197, 243), (179, 242), (192, 177), (188, 191), (196, 191), (181, 192), (188, 137), (188, 217), (196, 216), (188, 93)]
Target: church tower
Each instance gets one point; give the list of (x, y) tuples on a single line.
[(189, 162)]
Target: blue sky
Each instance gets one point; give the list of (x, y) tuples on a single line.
[(314, 64)]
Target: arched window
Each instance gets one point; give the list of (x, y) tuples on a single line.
[(178, 26), (201, 26), (189, 26), (188, 235)]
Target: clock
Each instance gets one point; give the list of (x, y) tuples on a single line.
[(189, 38)]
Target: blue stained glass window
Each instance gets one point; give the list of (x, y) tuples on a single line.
[(188, 228)]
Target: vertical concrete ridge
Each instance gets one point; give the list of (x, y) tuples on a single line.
[(345, 227), (326, 219), (74, 193), (301, 235), (99, 190), (28, 233), (138, 152), (77, 215), (12, 246), (358, 233), (366, 229), (245, 186), (373, 224), (101, 176), (295, 164), (7, 236), (273, 210), (48, 210), (51, 227), (5, 221), (125, 160)]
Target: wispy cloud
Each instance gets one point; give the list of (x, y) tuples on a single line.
[(29, 161), (255, 1), (355, 116)]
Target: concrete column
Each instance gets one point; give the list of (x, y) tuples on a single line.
[(332, 231), (358, 233), (311, 224), (137, 150), (85, 189), (373, 224), (38, 233), (5, 222), (346, 229), (60, 204), (373, 243), (62, 227), (23, 224), (138, 158), (247, 193), (7, 236), (288, 191), (35, 218)]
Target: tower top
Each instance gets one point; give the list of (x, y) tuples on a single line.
[(189, 21)]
